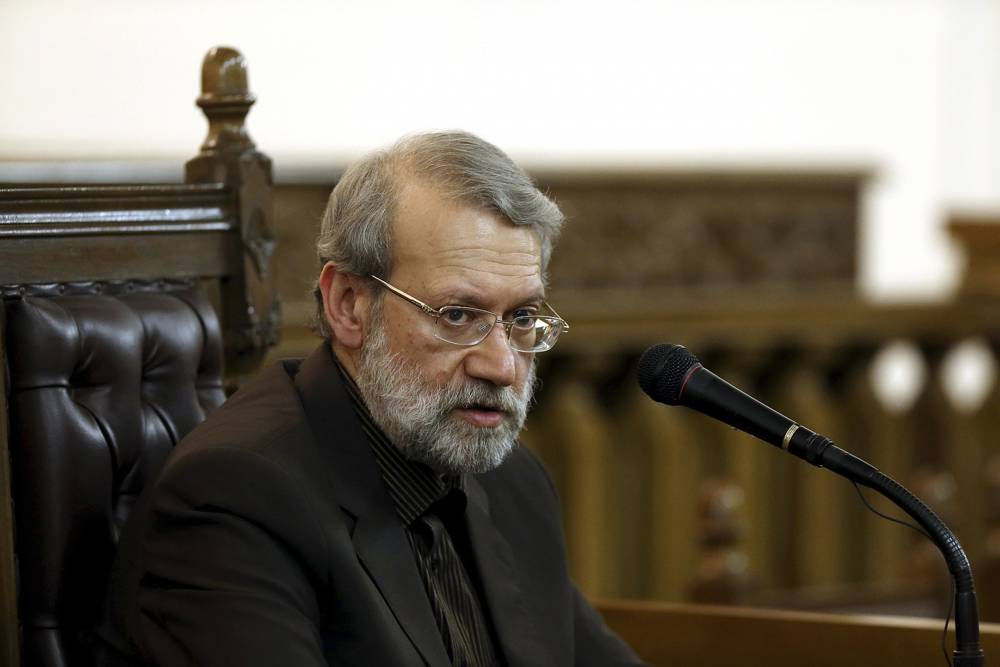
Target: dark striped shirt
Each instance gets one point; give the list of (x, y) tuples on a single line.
[(432, 508)]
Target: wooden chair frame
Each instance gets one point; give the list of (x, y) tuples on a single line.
[(214, 228)]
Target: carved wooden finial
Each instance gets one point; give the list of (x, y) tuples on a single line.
[(226, 100), (251, 315)]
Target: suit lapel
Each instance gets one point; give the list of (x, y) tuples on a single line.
[(379, 536), (504, 597), (388, 558)]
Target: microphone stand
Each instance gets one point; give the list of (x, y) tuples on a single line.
[(821, 451), (672, 375)]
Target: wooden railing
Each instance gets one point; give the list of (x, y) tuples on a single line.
[(662, 503), (712, 636)]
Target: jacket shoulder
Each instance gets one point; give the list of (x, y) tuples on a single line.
[(260, 413)]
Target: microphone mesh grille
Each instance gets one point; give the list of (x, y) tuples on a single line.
[(662, 369)]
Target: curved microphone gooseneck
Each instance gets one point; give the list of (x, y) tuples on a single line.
[(670, 374)]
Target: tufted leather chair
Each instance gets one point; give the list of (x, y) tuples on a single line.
[(104, 378), (111, 351)]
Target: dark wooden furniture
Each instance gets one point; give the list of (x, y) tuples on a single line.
[(712, 636), (113, 266)]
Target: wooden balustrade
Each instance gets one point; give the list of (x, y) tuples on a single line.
[(804, 535)]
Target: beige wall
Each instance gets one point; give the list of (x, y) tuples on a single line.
[(909, 87)]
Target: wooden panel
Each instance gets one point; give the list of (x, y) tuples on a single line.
[(120, 209), (704, 232), (708, 636), (655, 238), (298, 211), (130, 257), (115, 232)]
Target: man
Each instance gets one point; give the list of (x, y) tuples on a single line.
[(369, 505)]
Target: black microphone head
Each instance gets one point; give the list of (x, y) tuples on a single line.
[(662, 369)]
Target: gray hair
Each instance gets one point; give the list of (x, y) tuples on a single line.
[(356, 229)]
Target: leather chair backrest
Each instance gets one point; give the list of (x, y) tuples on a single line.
[(104, 379)]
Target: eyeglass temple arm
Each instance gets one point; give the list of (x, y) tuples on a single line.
[(400, 293), (565, 323)]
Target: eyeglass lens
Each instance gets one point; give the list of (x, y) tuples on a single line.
[(468, 327)]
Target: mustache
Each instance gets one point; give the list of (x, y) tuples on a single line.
[(481, 395), (473, 392)]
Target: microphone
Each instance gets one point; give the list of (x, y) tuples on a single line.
[(670, 374)]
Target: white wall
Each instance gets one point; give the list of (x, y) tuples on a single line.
[(909, 87)]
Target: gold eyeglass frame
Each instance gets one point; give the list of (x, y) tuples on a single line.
[(554, 319)]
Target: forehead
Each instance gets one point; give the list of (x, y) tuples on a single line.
[(442, 244)]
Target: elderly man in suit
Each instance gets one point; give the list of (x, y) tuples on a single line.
[(369, 505)]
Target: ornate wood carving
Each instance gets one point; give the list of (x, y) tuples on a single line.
[(641, 245), (251, 310), (677, 233)]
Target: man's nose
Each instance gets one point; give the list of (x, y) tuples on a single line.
[(493, 359)]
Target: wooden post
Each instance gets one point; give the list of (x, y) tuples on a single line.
[(576, 438), (250, 307), (987, 562), (752, 466), (9, 632), (865, 428), (979, 237), (673, 454)]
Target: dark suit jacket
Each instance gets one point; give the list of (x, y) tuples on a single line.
[(269, 539)]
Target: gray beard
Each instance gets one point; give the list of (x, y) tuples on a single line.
[(419, 418)]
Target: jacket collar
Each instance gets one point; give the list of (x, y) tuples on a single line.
[(379, 536), (504, 595)]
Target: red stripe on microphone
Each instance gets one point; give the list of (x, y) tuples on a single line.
[(691, 371)]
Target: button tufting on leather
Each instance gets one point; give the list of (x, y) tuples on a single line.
[(101, 387)]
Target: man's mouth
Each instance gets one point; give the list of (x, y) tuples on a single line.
[(481, 415)]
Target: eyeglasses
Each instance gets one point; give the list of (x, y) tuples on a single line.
[(466, 326)]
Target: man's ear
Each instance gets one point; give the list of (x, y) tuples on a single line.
[(344, 305)]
